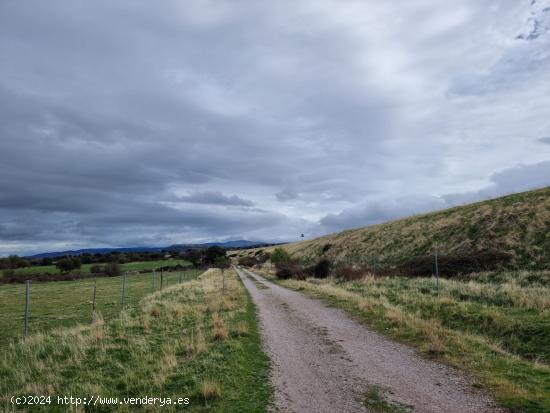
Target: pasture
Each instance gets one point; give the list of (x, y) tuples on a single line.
[(129, 266), (67, 303)]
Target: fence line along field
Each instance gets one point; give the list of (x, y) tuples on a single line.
[(196, 339), (85, 269), (67, 303)]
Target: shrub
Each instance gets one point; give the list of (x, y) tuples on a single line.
[(247, 261), (326, 247), (290, 269), (321, 269), (112, 269), (279, 255), (451, 265), (96, 269), (347, 272), (68, 264)]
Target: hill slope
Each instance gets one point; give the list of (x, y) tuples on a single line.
[(517, 224)]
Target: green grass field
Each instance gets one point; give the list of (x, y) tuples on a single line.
[(130, 266), (497, 327), (189, 341), (66, 303)]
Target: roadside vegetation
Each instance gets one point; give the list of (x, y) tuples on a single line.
[(496, 325), (197, 339)]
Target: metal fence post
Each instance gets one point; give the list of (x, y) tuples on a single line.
[(161, 279), (436, 270), (27, 303), (154, 279), (123, 289)]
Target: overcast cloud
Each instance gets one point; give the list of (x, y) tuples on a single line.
[(149, 123)]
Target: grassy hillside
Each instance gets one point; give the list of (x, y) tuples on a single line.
[(517, 224), (190, 340)]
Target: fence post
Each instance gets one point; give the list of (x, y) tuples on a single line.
[(436, 270), (123, 289), (154, 275), (223, 282), (93, 301), (161, 278), (27, 303)]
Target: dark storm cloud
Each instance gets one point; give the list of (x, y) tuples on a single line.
[(132, 123)]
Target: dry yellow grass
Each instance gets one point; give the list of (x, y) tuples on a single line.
[(210, 389)]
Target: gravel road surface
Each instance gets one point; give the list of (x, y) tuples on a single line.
[(323, 361)]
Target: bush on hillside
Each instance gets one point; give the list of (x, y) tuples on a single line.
[(347, 272), (279, 255), (450, 265), (290, 269), (321, 269), (247, 261)]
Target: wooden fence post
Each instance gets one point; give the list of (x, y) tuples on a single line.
[(93, 301), (27, 303), (436, 270), (123, 289)]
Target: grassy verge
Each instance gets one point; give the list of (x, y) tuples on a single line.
[(498, 332), (188, 341), (66, 303)]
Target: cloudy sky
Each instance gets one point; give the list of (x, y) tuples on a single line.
[(133, 122)]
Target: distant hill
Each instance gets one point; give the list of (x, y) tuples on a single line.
[(237, 244), (517, 225)]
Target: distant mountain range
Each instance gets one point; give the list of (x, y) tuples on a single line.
[(237, 244)]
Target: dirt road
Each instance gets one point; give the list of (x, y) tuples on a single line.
[(323, 361)]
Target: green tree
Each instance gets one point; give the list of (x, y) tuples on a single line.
[(212, 253)]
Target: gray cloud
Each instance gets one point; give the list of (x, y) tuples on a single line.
[(130, 123), (214, 197)]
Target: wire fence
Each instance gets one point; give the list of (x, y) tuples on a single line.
[(38, 307)]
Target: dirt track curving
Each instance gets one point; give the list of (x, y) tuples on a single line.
[(323, 361)]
